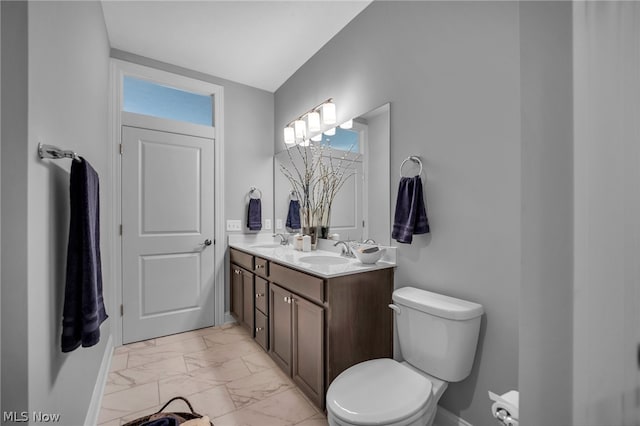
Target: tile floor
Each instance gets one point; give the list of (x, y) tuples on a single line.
[(220, 370)]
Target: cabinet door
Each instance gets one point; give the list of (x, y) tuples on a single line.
[(280, 327), (308, 348), (237, 303), (247, 301)]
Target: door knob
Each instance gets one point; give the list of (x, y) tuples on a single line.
[(207, 242)]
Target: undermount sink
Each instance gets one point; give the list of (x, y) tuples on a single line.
[(324, 260), (272, 245)]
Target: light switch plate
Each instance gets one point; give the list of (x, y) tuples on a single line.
[(267, 224), (278, 223), (234, 225)]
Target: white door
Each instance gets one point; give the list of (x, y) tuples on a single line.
[(167, 237)]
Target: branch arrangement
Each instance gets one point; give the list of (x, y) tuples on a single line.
[(317, 178)]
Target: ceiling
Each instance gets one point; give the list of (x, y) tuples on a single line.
[(257, 43)]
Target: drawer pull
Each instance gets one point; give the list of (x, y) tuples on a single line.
[(259, 266), (237, 271), (259, 295), (258, 329)]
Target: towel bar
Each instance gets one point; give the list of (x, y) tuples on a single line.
[(53, 152), (416, 160), (254, 189)]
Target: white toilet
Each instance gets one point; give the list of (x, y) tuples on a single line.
[(438, 337)]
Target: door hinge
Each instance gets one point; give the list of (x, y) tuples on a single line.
[(121, 310), (120, 229), (121, 149)]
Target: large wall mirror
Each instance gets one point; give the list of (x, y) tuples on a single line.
[(361, 208)]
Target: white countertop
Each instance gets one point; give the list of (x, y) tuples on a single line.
[(287, 255)]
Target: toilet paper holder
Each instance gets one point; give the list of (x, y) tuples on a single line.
[(505, 407)]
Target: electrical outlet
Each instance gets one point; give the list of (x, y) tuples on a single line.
[(278, 223), (267, 224), (234, 225)]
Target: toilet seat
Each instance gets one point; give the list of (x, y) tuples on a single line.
[(391, 393)]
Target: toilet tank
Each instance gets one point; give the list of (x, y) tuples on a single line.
[(438, 334)]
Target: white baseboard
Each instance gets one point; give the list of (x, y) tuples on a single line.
[(447, 418), (101, 381)]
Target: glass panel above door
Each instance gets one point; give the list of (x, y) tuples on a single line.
[(149, 98)]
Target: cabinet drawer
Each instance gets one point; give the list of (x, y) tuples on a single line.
[(305, 285), (261, 267), (261, 330), (261, 295), (240, 258)]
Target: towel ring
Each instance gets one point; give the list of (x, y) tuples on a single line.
[(254, 189), (415, 160)]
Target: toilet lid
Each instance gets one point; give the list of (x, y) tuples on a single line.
[(379, 391)]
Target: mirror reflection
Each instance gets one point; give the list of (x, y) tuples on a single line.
[(341, 180)]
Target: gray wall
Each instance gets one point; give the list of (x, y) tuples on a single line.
[(546, 298), (451, 72), (61, 99), (248, 143), (14, 171)]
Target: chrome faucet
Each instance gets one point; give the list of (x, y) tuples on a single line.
[(284, 239), (369, 241), (346, 250)]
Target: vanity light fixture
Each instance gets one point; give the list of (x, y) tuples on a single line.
[(300, 129), (313, 118), (328, 113), (305, 142), (289, 135), (330, 132), (311, 122)]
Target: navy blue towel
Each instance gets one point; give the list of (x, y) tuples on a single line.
[(83, 304), (293, 217), (411, 214), (254, 214)]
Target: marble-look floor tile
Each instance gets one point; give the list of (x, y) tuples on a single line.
[(258, 361), (224, 338), (148, 411), (288, 405), (121, 403), (285, 408), (134, 346), (258, 386), (216, 356), (183, 385), (146, 373), (223, 373), (115, 422), (166, 351), (214, 402), (317, 420), (119, 361)]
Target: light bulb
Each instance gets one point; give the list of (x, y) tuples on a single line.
[(317, 138), (347, 124), (300, 129), (330, 132), (305, 142), (313, 119), (289, 136), (329, 113)]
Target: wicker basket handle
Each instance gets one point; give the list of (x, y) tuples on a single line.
[(173, 399)]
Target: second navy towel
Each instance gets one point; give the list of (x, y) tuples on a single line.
[(411, 213)]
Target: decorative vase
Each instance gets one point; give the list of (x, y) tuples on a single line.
[(324, 223), (310, 225)]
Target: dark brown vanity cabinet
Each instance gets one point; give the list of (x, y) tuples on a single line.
[(314, 328), (242, 297), (297, 340)]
